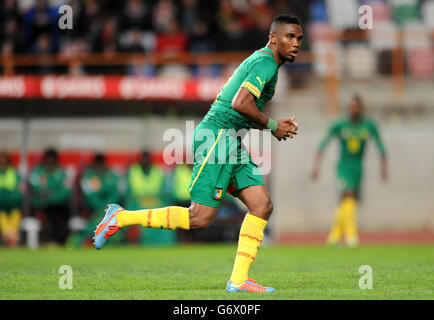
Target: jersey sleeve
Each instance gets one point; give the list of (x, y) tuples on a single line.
[(333, 130), (261, 72), (375, 134)]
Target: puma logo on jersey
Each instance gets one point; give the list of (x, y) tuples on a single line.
[(260, 82)]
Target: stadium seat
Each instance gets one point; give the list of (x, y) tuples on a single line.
[(405, 11), (380, 11), (384, 36), (318, 11), (343, 14), (320, 32), (322, 54), (416, 36), (421, 62), (427, 10), (360, 61)]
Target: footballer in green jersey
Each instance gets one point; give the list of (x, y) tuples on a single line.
[(221, 167), (353, 133)]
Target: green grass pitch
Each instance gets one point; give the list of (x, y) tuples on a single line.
[(202, 271)]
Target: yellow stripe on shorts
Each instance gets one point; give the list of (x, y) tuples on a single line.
[(206, 159)]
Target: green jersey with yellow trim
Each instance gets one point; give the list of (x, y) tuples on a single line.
[(258, 74), (352, 138)]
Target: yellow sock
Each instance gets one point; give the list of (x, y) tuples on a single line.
[(350, 224), (251, 235), (337, 228), (160, 218)]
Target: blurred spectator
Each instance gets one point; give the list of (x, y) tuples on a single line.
[(164, 13), (13, 35), (41, 19), (92, 10), (94, 36), (43, 47), (99, 185), (137, 15), (42, 44), (9, 10), (50, 195), (200, 39), (108, 35), (190, 15), (10, 201), (7, 48), (257, 36), (172, 40), (74, 48), (79, 16), (231, 38), (180, 179), (145, 184), (133, 42)]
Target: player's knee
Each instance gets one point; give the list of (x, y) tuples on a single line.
[(348, 194), (269, 207), (199, 219), (200, 222), (204, 222), (266, 209)]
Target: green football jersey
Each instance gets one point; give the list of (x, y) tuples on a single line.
[(258, 74), (99, 188), (10, 195), (49, 187), (352, 138)]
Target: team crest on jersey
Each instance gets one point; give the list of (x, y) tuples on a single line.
[(218, 193)]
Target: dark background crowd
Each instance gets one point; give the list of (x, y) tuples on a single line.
[(140, 26)]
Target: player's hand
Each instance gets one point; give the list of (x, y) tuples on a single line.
[(315, 174), (286, 128), (383, 173), (293, 126)]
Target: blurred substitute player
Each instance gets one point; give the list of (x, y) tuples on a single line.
[(99, 185), (10, 201), (352, 132), (238, 106)]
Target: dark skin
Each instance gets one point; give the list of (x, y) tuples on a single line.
[(146, 162), (50, 162), (355, 110), (284, 41)]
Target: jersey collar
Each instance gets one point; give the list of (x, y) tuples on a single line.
[(266, 50)]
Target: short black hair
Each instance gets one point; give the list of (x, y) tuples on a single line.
[(284, 19), (51, 153), (99, 159)]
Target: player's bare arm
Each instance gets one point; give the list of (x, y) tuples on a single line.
[(316, 165), (244, 103), (384, 175)]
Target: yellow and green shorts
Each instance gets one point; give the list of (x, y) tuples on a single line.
[(221, 164)]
